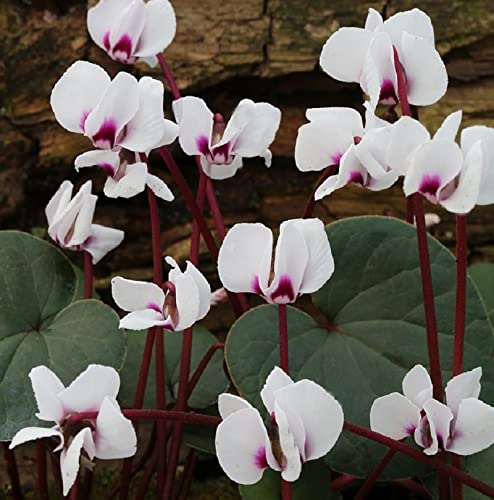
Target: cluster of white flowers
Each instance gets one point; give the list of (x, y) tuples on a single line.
[(124, 120)]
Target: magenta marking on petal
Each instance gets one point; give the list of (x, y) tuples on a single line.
[(221, 154), (357, 139), (336, 158), (202, 143), (108, 168), (410, 429), (123, 46), (388, 92), (106, 41), (357, 178), (284, 290), (260, 458), (105, 136), (430, 184), (154, 307), (82, 122), (256, 288)]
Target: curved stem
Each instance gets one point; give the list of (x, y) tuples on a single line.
[(461, 293), (286, 490), (283, 327), (215, 210), (457, 487), (373, 476), (311, 202), (168, 76), (188, 474), (202, 366), (88, 275)]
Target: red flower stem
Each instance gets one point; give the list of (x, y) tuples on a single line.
[(12, 472), (283, 327), (160, 404), (148, 474), (55, 471), (311, 202), (456, 486), (342, 482), (202, 366), (187, 475), (196, 234), (180, 406), (196, 213), (414, 487), (409, 210), (74, 491), (167, 415), (374, 475), (215, 211), (42, 479), (434, 462), (428, 293), (286, 490), (461, 293), (168, 76), (402, 85), (88, 275)]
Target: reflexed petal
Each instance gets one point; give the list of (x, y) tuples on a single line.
[(141, 320), (241, 443), (439, 418), (338, 118), (290, 262), (108, 160), (46, 387), (33, 433), (383, 182), (239, 120), (417, 386), (433, 165), (159, 28), (474, 428), (195, 122), (100, 19), (87, 391), (320, 264), (427, 79), (449, 127), (244, 261), (343, 55), (133, 295), (221, 171), (415, 22), (80, 230), (77, 93), (146, 128), (463, 386), (202, 287), (102, 240), (118, 105), (69, 458), (406, 135), (159, 188), (330, 185), (58, 203), (187, 300), (374, 20), (292, 463), (133, 182), (469, 137), (229, 403), (115, 434), (371, 151), (321, 415), (394, 416), (465, 196), (276, 380), (125, 32), (259, 132)]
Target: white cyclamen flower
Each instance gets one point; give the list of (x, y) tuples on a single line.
[(337, 136), (305, 423), (249, 133), (464, 425), (70, 222), (108, 436), (127, 175), (132, 30), (186, 301), (437, 168), (113, 114), (303, 261), (366, 56)]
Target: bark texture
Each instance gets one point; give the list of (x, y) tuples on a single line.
[(262, 49)]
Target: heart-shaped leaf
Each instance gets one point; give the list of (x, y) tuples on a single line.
[(373, 332), (212, 383), (483, 277)]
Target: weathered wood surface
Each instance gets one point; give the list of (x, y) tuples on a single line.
[(263, 49)]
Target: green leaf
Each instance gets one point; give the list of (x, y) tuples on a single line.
[(373, 333), (483, 277), (212, 383), (313, 483), (84, 332), (79, 294)]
